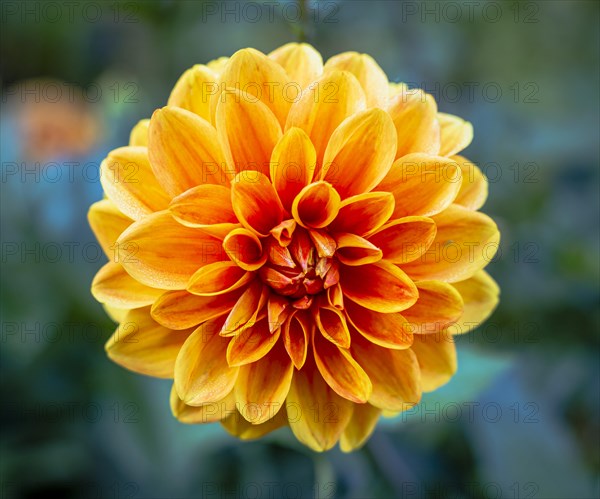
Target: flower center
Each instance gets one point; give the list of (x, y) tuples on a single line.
[(306, 266)]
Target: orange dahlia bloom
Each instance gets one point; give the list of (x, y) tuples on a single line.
[(294, 244)]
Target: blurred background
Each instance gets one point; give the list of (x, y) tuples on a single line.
[(521, 418)]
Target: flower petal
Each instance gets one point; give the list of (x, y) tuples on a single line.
[(181, 310), (246, 309), (262, 386), (474, 187), (218, 278), (359, 429), (292, 165), (360, 152), (142, 345), (295, 334), (255, 202), (238, 426), (318, 430), (331, 322), (439, 305), (115, 287), (386, 330), (340, 371), (465, 242), (202, 374), (405, 239), (422, 185), (160, 252), (139, 134), (456, 134), (108, 223), (205, 413), (184, 151), (371, 77), (380, 286), (193, 90), (354, 250), (245, 249), (480, 294), (251, 344), (414, 113), (394, 374), (203, 205), (364, 213), (324, 105), (437, 359), (316, 205), (248, 131), (261, 78), (301, 61)]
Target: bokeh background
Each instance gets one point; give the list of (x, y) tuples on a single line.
[(520, 419)]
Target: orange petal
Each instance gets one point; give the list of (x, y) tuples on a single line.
[(205, 413), (181, 310), (474, 187), (405, 239), (394, 374), (354, 250), (341, 372), (139, 134), (144, 346), (324, 105), (422, 185), (324, 243), (248, 131), (316, 205), (363, 422), (246, 308), (316, 414), (480, 294), (465, 242), (331, 322), (184, 151), (386, 330), (301, 61), (439, 305), (295, 334), (115, 287), (237, 425), (160, 252), (284, 231), (364, 213), (262, 79), (380, 286), (278, 310), (437, 359), (335, 296), (255, 202), (218, 278), (456, 134), (262, 386), (414, 113), (292, 165), (245, 249), (360, 152), (201, 371), (371, 77), (194, 89), (203, 205), (108, 223), (251, 344)]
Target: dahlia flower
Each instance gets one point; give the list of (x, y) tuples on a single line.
[(294, 244)]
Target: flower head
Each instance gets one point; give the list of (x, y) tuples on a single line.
[(294, 244)]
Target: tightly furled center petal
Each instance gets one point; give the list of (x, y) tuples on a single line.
[(287, 236)]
